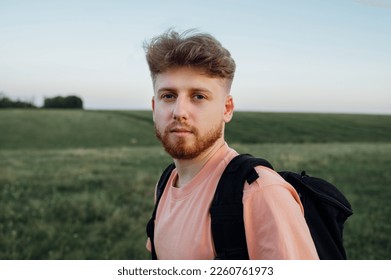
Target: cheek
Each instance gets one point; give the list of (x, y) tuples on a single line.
[(161, 117), (211, 119), (158, 112)]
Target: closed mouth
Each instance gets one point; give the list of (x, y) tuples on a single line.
[(180, 130)]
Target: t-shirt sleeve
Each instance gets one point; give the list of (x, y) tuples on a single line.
[(274, 220)]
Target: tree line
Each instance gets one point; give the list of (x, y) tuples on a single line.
[(58, 102)]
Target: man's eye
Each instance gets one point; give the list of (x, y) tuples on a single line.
[(199, 97), (168, 96)]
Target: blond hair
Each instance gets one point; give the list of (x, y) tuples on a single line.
[(189, 49)]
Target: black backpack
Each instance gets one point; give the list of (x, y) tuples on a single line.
[(325, 209)]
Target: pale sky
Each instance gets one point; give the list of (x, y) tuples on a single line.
[(291, 55)]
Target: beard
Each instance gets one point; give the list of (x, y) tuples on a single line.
[(181, 148)]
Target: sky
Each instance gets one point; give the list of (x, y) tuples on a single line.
[(330, 56)]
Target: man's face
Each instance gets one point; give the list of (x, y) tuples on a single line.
[(190, 111)]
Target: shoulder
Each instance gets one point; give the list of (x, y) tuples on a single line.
[(267, 178), (270, 187)]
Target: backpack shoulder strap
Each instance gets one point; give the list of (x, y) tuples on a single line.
[(227, 208), (159, 192)]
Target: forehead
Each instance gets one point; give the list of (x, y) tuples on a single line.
[(182, 78)]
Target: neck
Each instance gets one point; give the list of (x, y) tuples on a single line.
[(188, 169)]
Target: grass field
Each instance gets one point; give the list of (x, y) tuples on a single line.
[(79, 184)]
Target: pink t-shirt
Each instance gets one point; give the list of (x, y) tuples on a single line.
[(273, 216)]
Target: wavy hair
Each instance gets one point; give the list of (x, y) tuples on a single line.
[(189, 49)]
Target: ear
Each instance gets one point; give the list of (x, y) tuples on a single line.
[(228, 108), (153, 108)]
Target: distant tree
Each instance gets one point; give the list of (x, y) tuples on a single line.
[(68, 102), (73, 102), (5, 102)]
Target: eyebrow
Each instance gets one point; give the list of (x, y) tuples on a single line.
[(165, 89)]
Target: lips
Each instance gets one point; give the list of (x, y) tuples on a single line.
[(180, 130)]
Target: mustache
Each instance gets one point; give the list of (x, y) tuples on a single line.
[(180, 126)]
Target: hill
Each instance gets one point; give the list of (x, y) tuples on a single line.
[(58, 129)]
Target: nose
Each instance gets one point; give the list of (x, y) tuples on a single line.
[(180, 111)]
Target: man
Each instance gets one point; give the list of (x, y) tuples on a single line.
[(192, 75)]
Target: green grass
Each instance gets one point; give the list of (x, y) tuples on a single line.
[(248, 127), (59, 129), (89, 196), (77, 203)]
